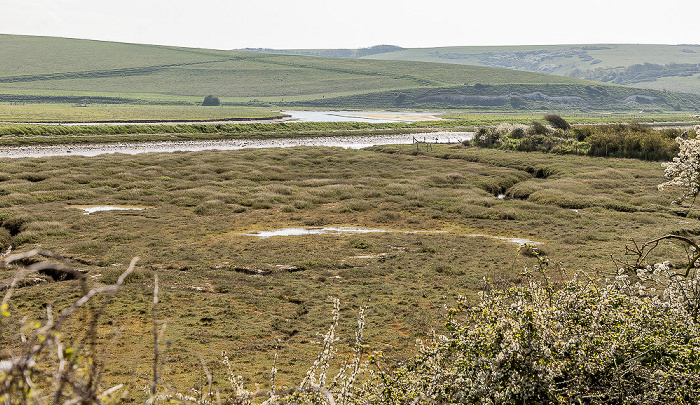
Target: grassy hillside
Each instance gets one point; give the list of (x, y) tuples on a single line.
[(659, 67), (40, 69)]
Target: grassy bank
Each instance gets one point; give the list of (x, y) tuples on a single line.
[(96, 113), (221, 290), (38, 134), (26, 135)]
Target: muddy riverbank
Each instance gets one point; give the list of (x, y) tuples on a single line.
[(348, 142)]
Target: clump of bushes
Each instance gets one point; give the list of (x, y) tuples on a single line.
[(630, 141), (615, 140)]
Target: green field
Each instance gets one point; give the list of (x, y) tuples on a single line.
[(222, 290), (82, 72), (658, 67), (64, 112)]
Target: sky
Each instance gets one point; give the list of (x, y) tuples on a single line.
[(312, 24)]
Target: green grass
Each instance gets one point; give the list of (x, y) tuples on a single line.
[(65, 112), (566, 60), (202, 204), (564, 56), (118, 69), (40, 69), (38, 134)]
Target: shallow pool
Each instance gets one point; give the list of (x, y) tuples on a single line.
[(326, 230), (90, 209), (337, 230)]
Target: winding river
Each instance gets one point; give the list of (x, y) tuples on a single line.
[(348, 142)]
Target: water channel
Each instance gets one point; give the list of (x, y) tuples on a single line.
[(348, 142)]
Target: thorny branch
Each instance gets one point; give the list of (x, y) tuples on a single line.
[(20, 375)]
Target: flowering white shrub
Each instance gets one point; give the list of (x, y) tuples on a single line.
[(508, 128), (582, 343), (684, 170)]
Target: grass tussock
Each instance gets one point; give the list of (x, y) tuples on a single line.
[(200, 206)]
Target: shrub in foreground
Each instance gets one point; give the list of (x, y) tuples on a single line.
[(581, 343)]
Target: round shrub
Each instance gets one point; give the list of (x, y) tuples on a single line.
[(211, 101), (557, 121), (487, 137), (537, 128), (517, 133)]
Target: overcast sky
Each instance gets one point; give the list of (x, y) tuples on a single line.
[(286, 24)]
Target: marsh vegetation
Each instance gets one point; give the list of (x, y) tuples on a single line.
[(253, 297)]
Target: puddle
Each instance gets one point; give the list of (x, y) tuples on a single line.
[(337, 230), (519, 241), (334, 230), (90, 209), (362, 116)]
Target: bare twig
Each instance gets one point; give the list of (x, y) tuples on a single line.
[(69, 386), (206, 371), (155, 337)]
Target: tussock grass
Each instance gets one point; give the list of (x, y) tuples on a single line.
[(202, 204)]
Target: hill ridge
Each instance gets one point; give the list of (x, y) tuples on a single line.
[(50, 69)]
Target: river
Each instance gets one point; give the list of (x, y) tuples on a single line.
[(348, 142)]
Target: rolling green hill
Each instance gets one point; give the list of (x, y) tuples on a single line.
[(44, 69), (659, 67)]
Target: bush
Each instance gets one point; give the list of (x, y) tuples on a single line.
[(535, 142), (557, 122), (585, 342), (487, 137), (517, 133), (211, 101), (536, 128), (632, 141)]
